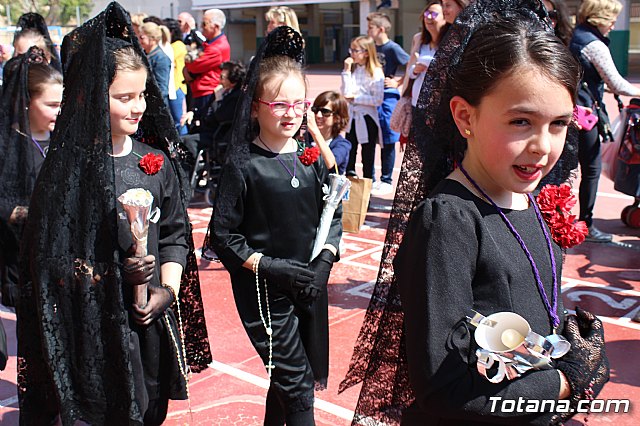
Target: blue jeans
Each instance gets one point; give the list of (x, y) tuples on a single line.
[(388, 159), (175, 106)]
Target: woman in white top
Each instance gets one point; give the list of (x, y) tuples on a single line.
[(425, 44), (363, 86)]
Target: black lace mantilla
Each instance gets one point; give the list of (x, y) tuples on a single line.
[(73, 335), (379, 358), (34, 21)]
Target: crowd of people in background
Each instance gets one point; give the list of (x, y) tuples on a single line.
[(176, 83)]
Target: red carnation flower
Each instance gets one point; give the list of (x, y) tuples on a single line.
[(309, 155), (555, 204), (151, 163)]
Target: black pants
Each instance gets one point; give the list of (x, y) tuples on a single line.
[(590, 167), (368, 149)]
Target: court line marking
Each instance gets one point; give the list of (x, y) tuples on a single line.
[(361, 254), (6, 403), (326, 406), (363, 240), (359, 265), (573, 282)]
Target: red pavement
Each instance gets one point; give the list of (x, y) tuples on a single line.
[(602, 278)]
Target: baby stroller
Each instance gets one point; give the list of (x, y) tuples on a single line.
[(627, 176)]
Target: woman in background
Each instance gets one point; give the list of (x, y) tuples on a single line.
[(590, 45)]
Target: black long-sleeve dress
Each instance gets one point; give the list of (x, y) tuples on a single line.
[(458, 255), (269, 216)]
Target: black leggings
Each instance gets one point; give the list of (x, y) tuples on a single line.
[(368, 149), (275, 414), (590, 167)]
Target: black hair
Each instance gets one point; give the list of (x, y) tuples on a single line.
[(153, 19), (236, 70), (174, 29), (563, 28), (497, 49)]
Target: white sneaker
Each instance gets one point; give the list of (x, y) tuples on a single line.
[(383, 189), (376, 185)]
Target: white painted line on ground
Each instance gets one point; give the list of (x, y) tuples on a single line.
[(614, 195), (348, 317), (359, 290), (9, 401), (362, 240), (572, 282), (361, 253), (359, 265), (263, 383)]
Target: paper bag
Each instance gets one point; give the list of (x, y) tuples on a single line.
[(355, 204)]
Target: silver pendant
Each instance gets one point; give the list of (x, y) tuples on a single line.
[(295, 182)]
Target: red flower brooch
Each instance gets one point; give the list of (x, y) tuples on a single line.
[(555, 204), (151, 163), (309, 155)]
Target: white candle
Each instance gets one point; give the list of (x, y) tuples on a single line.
[(511, 338)]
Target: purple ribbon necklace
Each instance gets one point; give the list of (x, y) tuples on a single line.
[(42, 151), (553, 306), (294, 180)]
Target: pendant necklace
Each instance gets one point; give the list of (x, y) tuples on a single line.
[(294, 180), (550, 307), (42, 151)]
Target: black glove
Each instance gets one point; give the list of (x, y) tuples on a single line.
[(160, 298), (289, 276), (321, 265), (585, 366), (10, 294), (138, 270)]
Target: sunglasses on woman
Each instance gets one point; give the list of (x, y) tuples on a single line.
[(431, 15), (324, 111)]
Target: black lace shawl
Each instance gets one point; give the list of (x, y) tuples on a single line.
[(379, 358), (34, 21), (73, 337), (18, 169)]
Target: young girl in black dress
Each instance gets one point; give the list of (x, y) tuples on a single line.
[(29, 108), (479, 241), (87, 350), (263, 229)]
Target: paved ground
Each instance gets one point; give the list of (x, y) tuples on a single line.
[(602, 278)]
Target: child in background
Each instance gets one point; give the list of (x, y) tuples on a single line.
[(263, 228), (330, 112), (30, 107), (363, 86), (391, 56)]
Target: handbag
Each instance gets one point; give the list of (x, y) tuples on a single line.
[(355, 204), (400, 120), (401, 117), (604, 125)]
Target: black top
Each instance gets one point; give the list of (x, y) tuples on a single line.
[(166, 239), (457, 255), (269, 215)]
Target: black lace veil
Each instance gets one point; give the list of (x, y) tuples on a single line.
[(34, 21), (18, 170), (379, 358), (72, 325)]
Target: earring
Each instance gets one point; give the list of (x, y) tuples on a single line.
[(467, 132)]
